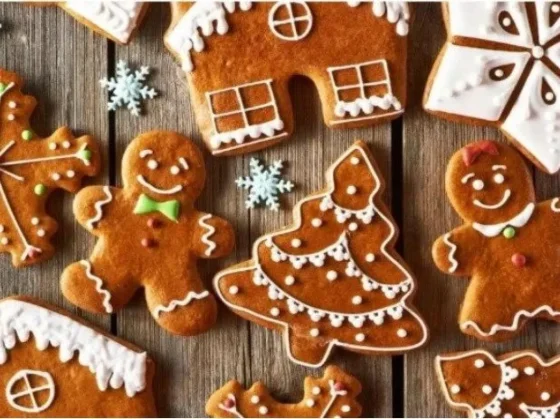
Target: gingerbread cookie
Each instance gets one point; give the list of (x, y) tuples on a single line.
[(500, 66), (116, 20), (333, 278), (240, 58), (150, 236), (333, 395), (53, 364), (508, 243), (515, 385), (30, 169)]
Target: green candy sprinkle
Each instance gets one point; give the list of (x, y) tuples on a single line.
[(27, 135), (2, 87), (509, 232), (85, 154), (40, 189)]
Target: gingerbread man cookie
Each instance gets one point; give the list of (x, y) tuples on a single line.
[(150, 236), (263, 45), (53, 364), (333, 278), (508, 243), (31, 168), (515, 385), (333, 395)]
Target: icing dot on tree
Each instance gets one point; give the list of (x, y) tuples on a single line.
[(486, 389), (351, 190), (290, 280), (402, 333), (296, 243), (255, 399), (479, 363), (356, 300), (233, 290), (455, 389), (370, 257), (332, 275), (314, 332), (360, 337), (529, 371), (316, 222), (275, 311)]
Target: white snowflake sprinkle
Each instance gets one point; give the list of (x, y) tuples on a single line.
[(264, 185), (128, 88)]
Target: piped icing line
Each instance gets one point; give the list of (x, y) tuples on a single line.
[(554, 205), (335, 394), (173, 304), (343, 214), (297, 225), (12, 175), (367, 105), (518, 221), (203, 19), (171, 191), (451, 256), (507, 375), (76, 155), (254, 131), (7, 147), (98, 286), (395, 12), (514, 325), (540, 412), (211, 246), (112, 363), (99, 208)]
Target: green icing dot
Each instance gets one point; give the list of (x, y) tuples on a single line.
[(27, 135), (85, 154), (509, 232), (40, 189)]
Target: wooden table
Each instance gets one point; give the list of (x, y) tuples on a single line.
[(61, 62)]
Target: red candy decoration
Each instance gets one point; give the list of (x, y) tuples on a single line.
[(472, 151), (338, 386), (153, 223), (33, 254), (519, 260), (229, 403), (147, 242)]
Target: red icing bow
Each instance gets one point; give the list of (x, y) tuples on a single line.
[(472, 151)]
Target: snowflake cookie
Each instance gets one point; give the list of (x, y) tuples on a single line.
[(333, 279), (515, 385), (501, 66), (331, 396), (264, 185), (128, 88), (30, 169)]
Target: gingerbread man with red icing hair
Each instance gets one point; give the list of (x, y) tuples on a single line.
[(509, 245)]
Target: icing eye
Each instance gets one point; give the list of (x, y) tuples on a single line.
[(499, 178), (174, 170), (478, 185), (554, 13), (152, 164), (501, 73), (507, 23), (548, 96)]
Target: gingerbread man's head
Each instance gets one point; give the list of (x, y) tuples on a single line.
[(488, 183), (164, 164)]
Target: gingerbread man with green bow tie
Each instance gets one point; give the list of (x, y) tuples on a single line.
[(150, 236)]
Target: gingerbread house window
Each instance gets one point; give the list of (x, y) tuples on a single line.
[(290, 20), (30, 391)]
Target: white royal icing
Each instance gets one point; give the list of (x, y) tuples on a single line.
[(99, 207), (98, 286), (118, 18), (518, 221), (29, 390), (398, 309), (173, 304), (292, 27), (554, 205), (112, 363), (451, 256), (171, 191), (394, 11), (211, 246)]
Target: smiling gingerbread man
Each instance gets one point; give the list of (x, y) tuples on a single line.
[(509, 244), (150, 236)]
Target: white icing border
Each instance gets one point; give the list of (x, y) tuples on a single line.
[(99, 208), (112, 363), (451, 256), (98, 285), (173, 304), (297, 224), (210, 230)]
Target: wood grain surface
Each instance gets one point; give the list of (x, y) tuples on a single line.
[(62, 61)]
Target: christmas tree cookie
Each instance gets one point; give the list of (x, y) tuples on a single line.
[(333, 278), (333, 395), (31, 168)]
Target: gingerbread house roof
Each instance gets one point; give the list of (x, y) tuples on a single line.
[(206, 17), (112, 363)]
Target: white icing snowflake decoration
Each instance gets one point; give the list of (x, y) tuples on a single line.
[(128, 88), (505, 71), (264, 185)]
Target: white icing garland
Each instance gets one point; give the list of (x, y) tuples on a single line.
[(211, 246), (540, 412), (554, 205), (451, 256), (394, 11), (343, 214), (367, 105), (98, 286), (173, 304), (112, 363), (254, 131), (99, 208)]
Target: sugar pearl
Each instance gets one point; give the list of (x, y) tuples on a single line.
[(356, 300), (455, 389), (55, 176), (351, 190), (11, 117), (479, 363), (316, 222), (355, 160), (274, 311), (296, 243), (345, 408), (41, 232), (70, 174), (545, 396), (12, 104), (174, 170), (529, 371), (402, 333), (233, 290), (370, 257), (353, 227), (255, 399), (289, 280), (360, 337), (263, 410), (4, 241), (486, 389), (332, 275), (314, 332), (310, 402), (66, 144), (316, 390), (1, 228), (35, 221), (52, 146)]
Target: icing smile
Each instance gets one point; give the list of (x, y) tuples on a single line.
[(505, 199), (142, 181)]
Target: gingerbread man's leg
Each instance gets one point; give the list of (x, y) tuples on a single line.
[(181, 305), (99, 285)]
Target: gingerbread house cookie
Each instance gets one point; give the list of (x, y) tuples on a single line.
[(333, 279), (333, 395), (500, 66), (53, 364), (508, 244), (515, 385), (240, 57)]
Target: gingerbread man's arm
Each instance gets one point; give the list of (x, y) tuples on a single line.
[(452, 252), (213, 236), (91, 204)]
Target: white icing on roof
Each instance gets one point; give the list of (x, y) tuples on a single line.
[(112, 363)]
